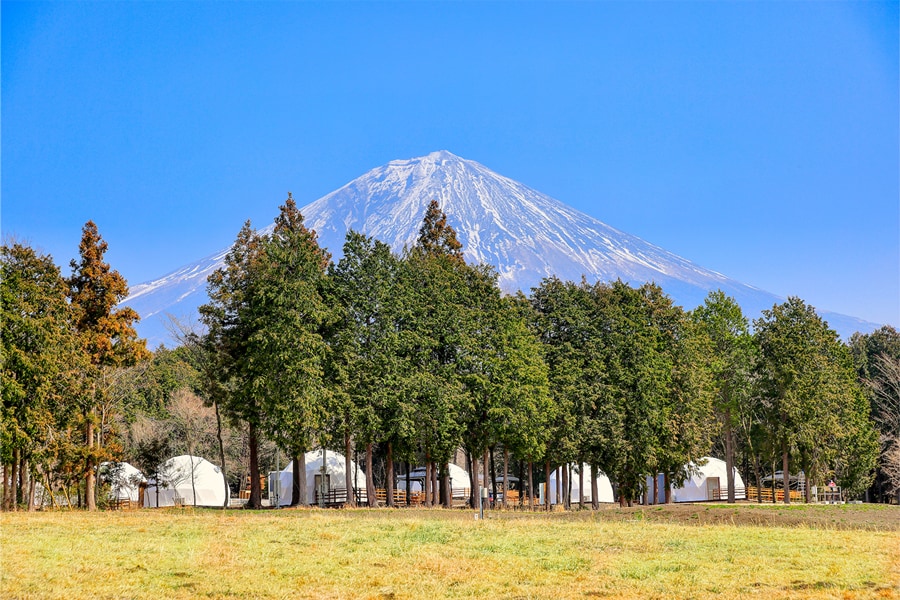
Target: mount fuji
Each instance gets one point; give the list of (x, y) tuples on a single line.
[(524, 234)]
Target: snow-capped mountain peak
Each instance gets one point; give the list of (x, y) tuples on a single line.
[(524, 234)]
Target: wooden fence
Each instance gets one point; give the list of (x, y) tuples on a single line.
[(766, 495)]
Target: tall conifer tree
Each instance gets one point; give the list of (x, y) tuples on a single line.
[(106, 334), (40, 363)]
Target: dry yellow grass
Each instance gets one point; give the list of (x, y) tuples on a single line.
[(432, 554)]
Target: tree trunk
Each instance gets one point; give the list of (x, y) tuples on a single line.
[(90, 481), (522, 481), (221, 453), (193, 478), (667, 482), (807, 476), (530, 485), (505, 477), (785, 473), (446, 485), (31, 490), (295, 479), (408, 486), (557, 490), (655, 489), (757, 479), (24, 482), (304, 482), (65, 490), (370, 478), (564, 475), (348, 470), (474, 497), (255, 500), (435, 494), (493, 479), (6, 486), (426, 484), (486, 475), (581, 486), (595, 492), (729, 456), (390, 475), (547, 471), (14, 488)]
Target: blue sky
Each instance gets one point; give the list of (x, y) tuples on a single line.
[(756, 139)]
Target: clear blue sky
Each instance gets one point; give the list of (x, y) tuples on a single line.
[(756, 139)]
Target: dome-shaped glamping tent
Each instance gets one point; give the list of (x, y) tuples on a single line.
[(459, 480), (188, 480), (335, 477), (124, 481), (604, 487), (710, 483), (707, 482)]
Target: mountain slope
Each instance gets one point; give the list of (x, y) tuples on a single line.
[(526, 235)]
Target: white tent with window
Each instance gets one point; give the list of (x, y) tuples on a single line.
[(604, 486), (187, 480), (124, 480), (336, 478), (707, 482)]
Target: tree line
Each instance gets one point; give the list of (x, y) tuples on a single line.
[(407, 357)]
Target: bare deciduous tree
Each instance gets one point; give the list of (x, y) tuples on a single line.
[(886, 414)]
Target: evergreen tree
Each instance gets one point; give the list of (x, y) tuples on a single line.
[(230, 317), (288, 346), (432, 323), (436, 237), (815, 407), (730, 361), (502, 371), (40, 363), (637, 387), (265, 320), (367, 343), (565, 322), (106, 333)]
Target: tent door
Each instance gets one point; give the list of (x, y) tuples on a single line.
[(324, 491), (712, 489)]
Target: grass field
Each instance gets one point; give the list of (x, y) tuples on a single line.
[(699, 551)]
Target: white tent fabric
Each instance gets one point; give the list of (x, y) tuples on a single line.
[(180, 476), (604, 486), (124, 480), (459, 480), (701, 485), (704, 482), (334, 468)]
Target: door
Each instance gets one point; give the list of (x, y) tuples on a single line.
[(712, 488)]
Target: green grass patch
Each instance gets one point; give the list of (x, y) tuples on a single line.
[(438, 554)]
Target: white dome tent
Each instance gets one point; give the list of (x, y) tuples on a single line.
[(707, 482), (459, 480), (335, 469), (604, 486), (180, 477), (124, 481)]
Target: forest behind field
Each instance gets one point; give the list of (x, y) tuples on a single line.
[(406, 358)]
